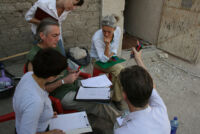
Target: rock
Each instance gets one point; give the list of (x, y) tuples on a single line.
[(162, 55), (77, 53), (153, 59)]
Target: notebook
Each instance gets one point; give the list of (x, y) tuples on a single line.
[(74, 123), (101, 94), (41, 14), (114, 60)]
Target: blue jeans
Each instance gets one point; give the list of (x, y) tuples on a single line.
[(62, 49)]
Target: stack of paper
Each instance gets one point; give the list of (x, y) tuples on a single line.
[(98, 81), (74, 123), (94, 89)]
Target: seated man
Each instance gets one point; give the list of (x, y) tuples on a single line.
[(148, 113), (105, 44), (65, 87)]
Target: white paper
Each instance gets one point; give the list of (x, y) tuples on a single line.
[(71, 123), (120, 120), (93, 93), (98, 81)]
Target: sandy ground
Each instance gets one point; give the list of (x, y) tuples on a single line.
[(177, 82)]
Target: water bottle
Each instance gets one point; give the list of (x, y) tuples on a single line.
[(174, 125)]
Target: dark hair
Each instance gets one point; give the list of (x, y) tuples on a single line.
[(80, 3), (48, 62), (43, 27), (137, 84)]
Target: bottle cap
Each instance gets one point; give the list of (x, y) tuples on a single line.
[(175, 118)]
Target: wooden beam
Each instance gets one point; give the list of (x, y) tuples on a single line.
[(13, 56)]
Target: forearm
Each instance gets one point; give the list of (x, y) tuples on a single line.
[(140, 63), (51, 87), (34, 21), (107, 50)]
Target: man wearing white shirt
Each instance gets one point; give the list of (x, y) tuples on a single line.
[(148, 113), (105, 43), (58, 9)]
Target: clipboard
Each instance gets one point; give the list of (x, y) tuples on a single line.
[(41, 14), (114, 60), (106, 99), (73, 123)]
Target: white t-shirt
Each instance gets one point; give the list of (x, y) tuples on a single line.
[(152, 120), (32, 106), (98, 45), (49, 6)]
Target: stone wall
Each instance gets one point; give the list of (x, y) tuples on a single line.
[(180, 29), (15, 32)]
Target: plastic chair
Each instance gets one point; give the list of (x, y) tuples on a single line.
[(7, 117), (97, 72), (56, 105)]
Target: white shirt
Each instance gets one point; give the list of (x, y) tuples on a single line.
[(32, 106), (152, 120), (98, 45), (49, 6)]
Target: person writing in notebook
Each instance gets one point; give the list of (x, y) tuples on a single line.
[(57, 9), (148, 113), (105, 43), (31, 103)]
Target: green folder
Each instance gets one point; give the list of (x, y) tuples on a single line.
[(114, 60)]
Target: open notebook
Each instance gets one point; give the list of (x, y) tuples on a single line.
[(74, 123), (98, 81), (94, 89)]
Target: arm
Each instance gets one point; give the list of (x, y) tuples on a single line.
[(31, 13), (30, 67), (30, 117), (70, 78), (156, 101), (99, 46), (138, 60)]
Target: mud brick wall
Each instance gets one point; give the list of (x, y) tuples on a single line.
[(15, 32)]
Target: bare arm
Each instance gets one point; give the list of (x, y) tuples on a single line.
[(70, 78), (30, 67), (107, 48), (34, 21), (138, 60)]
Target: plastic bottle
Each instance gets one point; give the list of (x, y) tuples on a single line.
[(174, 125)]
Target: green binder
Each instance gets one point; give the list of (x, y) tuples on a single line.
[(114, 60)]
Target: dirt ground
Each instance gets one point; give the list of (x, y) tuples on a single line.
[(177, 81)]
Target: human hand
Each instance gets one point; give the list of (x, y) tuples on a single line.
[(56, 131), (54, 114), (136, 54), (71, 77), (107, 40)]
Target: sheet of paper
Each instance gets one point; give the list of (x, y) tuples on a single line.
[(71, 123), (120, 120), (98, 81), (93, 93)]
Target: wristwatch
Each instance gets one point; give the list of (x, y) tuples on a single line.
[(62, 81)]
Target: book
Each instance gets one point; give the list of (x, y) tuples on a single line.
[(41, 14), (74, 123), (114, 60)]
